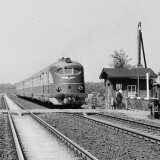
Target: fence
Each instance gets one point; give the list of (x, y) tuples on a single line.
[(139, 103)]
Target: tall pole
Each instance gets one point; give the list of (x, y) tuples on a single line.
[(144, 57), (147, 82), (138, 54), (138, 81), (139, 43)]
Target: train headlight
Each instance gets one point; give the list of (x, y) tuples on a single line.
[(80, 88), (58, 89)]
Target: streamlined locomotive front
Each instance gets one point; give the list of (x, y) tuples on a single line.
[(68, 80)]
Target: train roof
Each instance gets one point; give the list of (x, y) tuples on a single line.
[(66, 62), (61, 63)]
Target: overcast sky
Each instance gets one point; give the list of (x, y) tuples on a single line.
[(36, 33)]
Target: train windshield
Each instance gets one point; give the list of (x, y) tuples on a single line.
[(76, 70), (68, 71)]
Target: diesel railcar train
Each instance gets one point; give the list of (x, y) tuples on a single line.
[(61, 83)]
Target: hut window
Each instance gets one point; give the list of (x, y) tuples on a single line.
[(131, 89)]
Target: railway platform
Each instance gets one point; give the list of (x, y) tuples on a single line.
[(53, 110), (139, 114)]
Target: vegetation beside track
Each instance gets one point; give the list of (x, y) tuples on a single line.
[(7, 88), (2, 105)]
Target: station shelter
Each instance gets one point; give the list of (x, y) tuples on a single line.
[(128, 81)]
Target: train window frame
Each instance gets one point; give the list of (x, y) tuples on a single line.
[(42, 76), (72, 71), (79, 71), (68, 73), (57, 70)]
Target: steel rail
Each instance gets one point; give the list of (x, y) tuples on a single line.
[(17, 141), (128, 121), (79, 150), (122, 129)]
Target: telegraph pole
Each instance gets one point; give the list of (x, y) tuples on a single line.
[(138, 54)]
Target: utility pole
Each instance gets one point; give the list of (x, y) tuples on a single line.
[(139, 45), (138, 54)]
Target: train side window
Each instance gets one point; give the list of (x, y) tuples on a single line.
[(42, 76), (59, 71), (50, 78)]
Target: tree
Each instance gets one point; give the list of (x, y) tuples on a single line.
[(95, 87), (120, 60)]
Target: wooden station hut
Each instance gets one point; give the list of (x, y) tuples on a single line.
[(126, 80)]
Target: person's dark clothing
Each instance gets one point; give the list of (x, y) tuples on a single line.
[(119, 98)]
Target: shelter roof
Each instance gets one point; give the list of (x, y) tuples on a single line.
[(114, 73)]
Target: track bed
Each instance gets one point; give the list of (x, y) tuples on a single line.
[(102, 142), (7, 146)]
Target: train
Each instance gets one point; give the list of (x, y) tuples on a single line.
[(61, 83)]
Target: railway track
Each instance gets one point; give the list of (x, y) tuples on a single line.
[(141, 130), (18, 143), (80, 152), (129, 122)]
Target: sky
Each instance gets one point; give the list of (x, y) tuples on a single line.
[(36, 33)]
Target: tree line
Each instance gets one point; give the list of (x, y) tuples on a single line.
[(95, 87)]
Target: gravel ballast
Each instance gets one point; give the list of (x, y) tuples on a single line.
[(26, 103), (2, 105), (104, 143), (7, 146)]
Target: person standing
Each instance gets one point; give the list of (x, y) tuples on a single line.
[(112, 103), (119, 98)]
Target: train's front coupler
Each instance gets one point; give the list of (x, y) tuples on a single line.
[(69, 100)]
